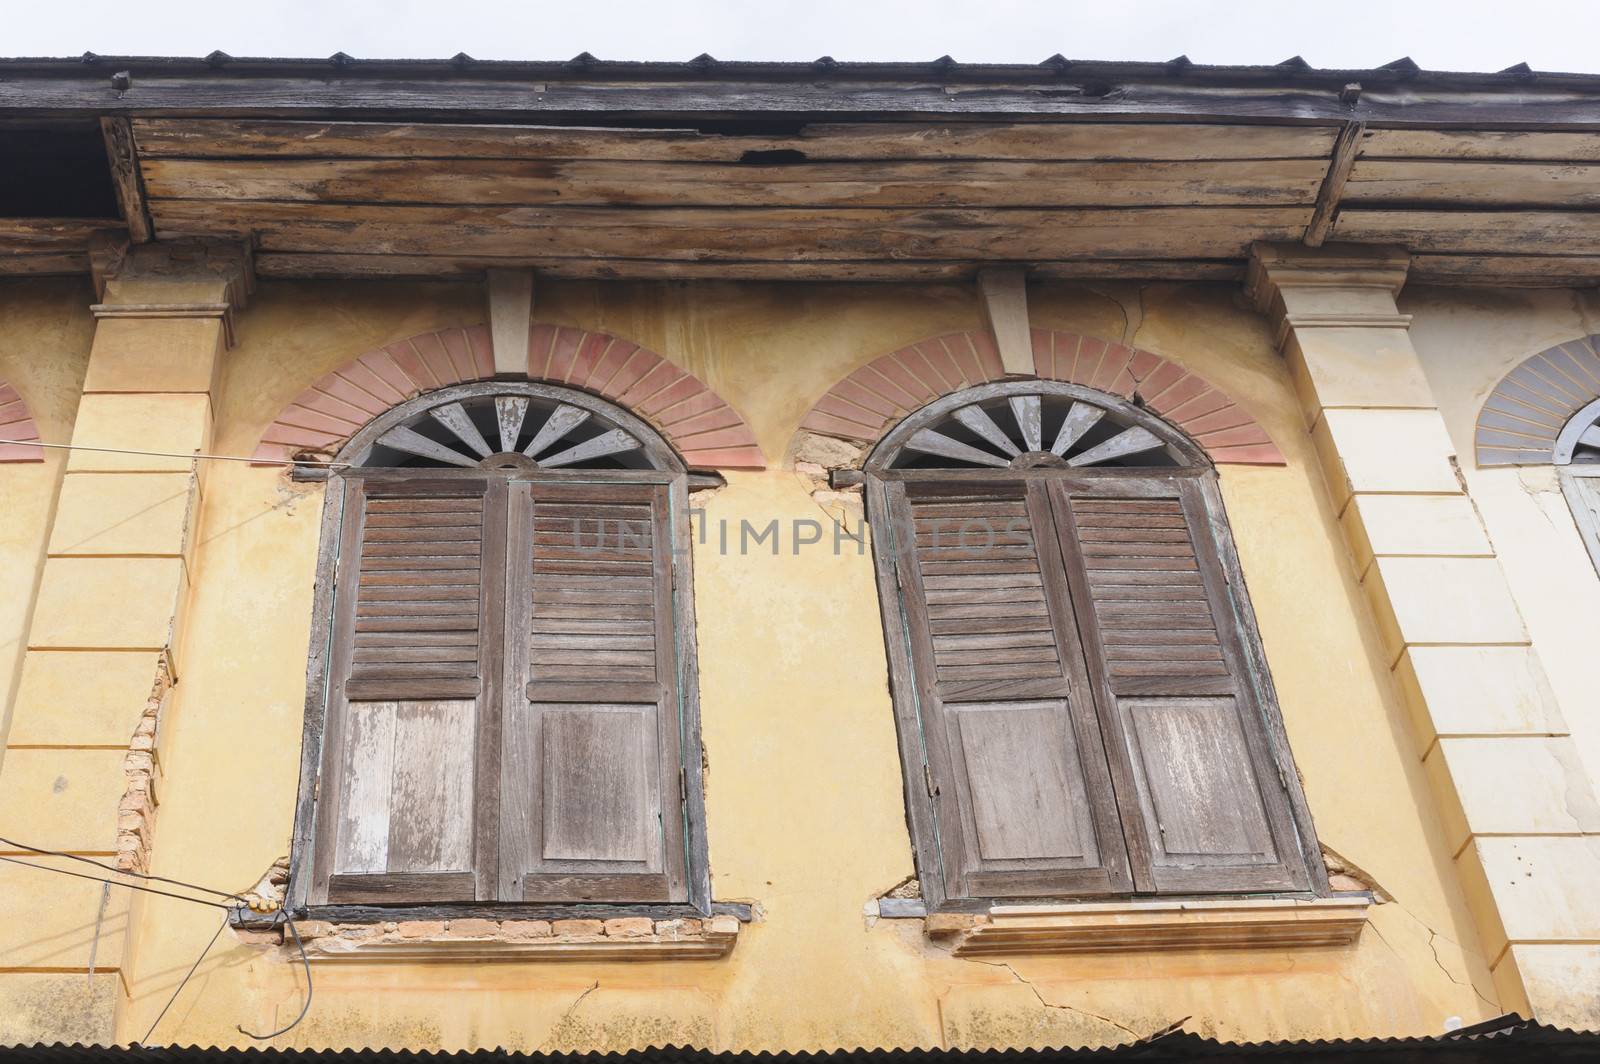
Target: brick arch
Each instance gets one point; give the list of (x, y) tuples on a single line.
[(867, 403), (16, 423), (1527, 410), (706, 431)]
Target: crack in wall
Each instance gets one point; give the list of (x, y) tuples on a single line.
[(1434, 950), (1136, 1036)]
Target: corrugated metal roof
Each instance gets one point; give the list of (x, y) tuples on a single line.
[(1507, 1038)]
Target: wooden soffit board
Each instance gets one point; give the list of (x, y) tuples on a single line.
[(1153, 195)]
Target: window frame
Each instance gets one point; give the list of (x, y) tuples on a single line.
[(669, 472), (881, 480)]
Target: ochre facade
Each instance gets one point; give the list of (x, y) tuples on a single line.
[(115, 561)]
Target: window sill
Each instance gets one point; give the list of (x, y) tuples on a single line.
[(476, 940), (1153, 926)]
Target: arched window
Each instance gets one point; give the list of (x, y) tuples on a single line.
[(1082, 701), (503, 703)]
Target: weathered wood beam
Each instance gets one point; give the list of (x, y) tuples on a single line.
[(994, 235), (1345, 149), (510, 317), (1005, 305), (854, 183), (268, 96), (472, 268), (228, 138), (122, 152)]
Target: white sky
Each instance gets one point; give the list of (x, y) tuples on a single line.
[(1557, 35)]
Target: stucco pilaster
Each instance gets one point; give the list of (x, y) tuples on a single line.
[(106, 635), (1513, 796)]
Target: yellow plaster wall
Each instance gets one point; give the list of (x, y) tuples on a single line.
[(45, 332), (1468, 341), (805, 813)]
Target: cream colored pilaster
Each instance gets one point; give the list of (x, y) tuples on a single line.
[(80, 773), (1516, 803)]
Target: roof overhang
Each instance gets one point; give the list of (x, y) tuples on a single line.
[(825, 170)]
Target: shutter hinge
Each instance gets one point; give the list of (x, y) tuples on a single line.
[(683, 784), (927, 781), (316, 787), (1283, 778)]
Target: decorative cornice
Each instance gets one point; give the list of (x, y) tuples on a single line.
[(227, 263), (169, 310), (1154, 926)]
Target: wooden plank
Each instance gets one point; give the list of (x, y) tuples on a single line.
[(1479, 232), (364, 811), (1506, 271), (357, 265), (430, 813), (53, 235), (517, 182), (123, 155), (764, 233), (1464, 184), (598, 798), (228, 138), (1479, 144), (1333, 184), (15, 264)]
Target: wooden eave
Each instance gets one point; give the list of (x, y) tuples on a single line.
[(825, 171)]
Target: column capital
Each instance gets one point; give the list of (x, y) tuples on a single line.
[(1337, 285), (175, 279)]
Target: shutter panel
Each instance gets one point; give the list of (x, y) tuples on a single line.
[(415, 634), (1023, 798), (591, 803), (1205, 808)]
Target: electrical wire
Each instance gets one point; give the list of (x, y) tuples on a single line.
[(117, 883), (305, 962), (282, 918), (184, 981), (176, 454), (121, 872)]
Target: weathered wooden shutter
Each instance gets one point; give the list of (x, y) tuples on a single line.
[(1205, 805), (416, 635), (1015, 763), (591, 784)]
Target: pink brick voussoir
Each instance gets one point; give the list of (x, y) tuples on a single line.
[(867, 403), (706, 431)]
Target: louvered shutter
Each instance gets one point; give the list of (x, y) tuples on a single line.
[(590, 788), (1205, 806), (416, 629), (1014, 759)]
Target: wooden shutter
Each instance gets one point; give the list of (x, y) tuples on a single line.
[(1205, 806), (591, 786), (415, 650), (1014, 761)]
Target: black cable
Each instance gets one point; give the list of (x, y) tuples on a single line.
[(119, 883), (185, 981), (120, 872), (306, 963)]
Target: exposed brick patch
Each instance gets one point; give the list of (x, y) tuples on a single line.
[(477, 938), (16, 423), (708, 432), (136, 812), (871, 400)]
